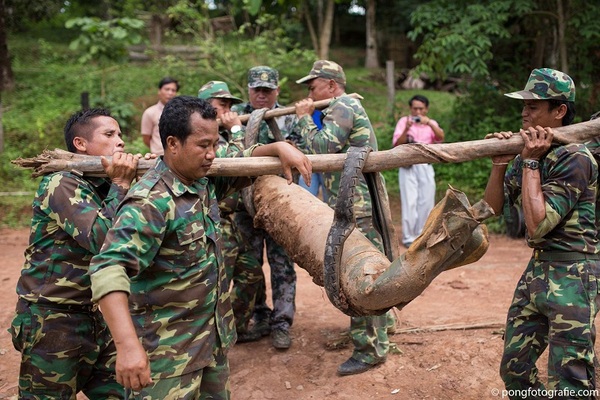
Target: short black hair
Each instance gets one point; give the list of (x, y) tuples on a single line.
[(166, 80), (79, 124), (569, 115), (419, 97), (175, 118)]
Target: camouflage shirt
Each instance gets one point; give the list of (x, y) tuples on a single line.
[(569, 177), (286, 123), (233, 202), (345, 124), (165, 251), (71, 216)]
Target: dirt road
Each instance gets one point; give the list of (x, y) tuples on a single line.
[(460, 362)]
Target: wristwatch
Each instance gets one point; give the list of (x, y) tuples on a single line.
[(531, 164), (235, 129)]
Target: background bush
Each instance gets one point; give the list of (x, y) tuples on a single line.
[(50, 84)]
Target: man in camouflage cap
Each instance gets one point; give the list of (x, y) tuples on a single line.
[(159, 277), (546, 84), (345, 123), (263, 77), (263, 92), (217, 90), (326, 70), (71, 216), (555, 301)]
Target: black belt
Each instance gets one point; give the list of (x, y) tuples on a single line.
[(555, 255), (23, 304)]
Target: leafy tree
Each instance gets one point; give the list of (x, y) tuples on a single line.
[(104, 42), (456, 37)]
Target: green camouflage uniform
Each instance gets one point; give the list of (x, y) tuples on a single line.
[(165, 252), (64, 341), (556, 299), (345, 124), (233, 243), (250, 287)]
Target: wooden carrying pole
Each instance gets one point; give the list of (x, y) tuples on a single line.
[(281, 111), (400, 156)]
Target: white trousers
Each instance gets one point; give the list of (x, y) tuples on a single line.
[(417, 197)]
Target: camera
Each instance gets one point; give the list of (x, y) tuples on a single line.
[(416, 119)]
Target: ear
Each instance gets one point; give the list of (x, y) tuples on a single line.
[(80, 144), (173, 144), (332, 85), (561, 111)]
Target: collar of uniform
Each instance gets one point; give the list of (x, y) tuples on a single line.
[(177, 187)]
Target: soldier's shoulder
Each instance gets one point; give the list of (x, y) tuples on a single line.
[(348, 102), (143, 188), (572, 148)]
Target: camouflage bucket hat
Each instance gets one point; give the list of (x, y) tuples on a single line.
[(263, 77), (217, 90), (325, 69), (546, 84)]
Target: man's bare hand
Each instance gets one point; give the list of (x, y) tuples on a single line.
[(503, 158), (230, 119), (537, 142), (290, 157), (123, 168), (304, 107), (133, 367)]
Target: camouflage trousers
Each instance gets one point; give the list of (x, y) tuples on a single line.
[(554, 306), (210, 382), (369, 334), (63, 351), (233, 245), (283, 277), (243, 271)]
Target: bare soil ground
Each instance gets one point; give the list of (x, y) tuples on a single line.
[(458, 361)]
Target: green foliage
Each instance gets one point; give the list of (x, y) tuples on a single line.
[(122, 111), (15, 211), (191, 17), (483, 110), (457, 36), (229, 57), (104, 41)]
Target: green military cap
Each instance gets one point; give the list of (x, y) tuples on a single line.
[(263, 76), (217, 90), (325, 69), (546, 84)]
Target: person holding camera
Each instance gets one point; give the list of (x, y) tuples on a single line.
[(417, 182)]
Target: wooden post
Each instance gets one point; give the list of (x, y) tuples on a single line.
[(391, 88), (85, 100)]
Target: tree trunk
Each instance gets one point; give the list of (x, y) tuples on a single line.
[(326, 30), (311, 27), (7, 79), (371, 59), (562, 44)]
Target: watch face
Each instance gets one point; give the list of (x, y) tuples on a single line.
[(236, 129), (531, 164)]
